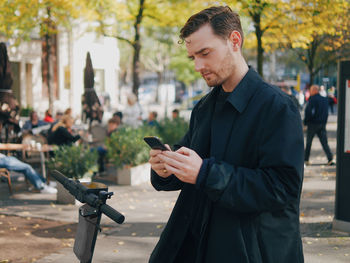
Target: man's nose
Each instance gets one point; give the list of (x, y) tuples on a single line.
[(198, 65)]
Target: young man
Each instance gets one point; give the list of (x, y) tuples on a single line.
[(316, 115), (240, 165), (11, 163)]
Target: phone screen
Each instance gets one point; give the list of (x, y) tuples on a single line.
[(155, 143)]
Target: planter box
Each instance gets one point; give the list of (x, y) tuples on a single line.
[(128, 176), (63, 195)]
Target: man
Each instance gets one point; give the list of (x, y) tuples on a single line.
[(13, 164), (175, 114), (33, 122), (316, 115), (240, 165), (152, 119)]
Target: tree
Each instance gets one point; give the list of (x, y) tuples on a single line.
[(318, 33), (20, 19), (266, 16), (127, 21)]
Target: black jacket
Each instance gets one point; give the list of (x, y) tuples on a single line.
[(248, 200), (316, 111), (61, 136)]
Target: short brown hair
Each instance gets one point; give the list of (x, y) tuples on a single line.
[(221, 19), (114, 120)]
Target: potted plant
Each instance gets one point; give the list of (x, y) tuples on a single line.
[(76, 162), (172, 130), (128, 155)]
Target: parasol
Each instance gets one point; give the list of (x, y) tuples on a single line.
[(9, 108), (92, 109)]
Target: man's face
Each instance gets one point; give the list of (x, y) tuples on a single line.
[(213, 56)]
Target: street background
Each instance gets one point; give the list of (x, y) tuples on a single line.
[(147, 211)]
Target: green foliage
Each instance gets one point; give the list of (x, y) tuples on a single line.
[(183, 67), (25, 111), (126, 146), (172, 131), (74, 161)]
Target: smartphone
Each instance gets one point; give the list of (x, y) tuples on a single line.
[(155, 143)]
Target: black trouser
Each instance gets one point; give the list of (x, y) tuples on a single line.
[(320, 130)]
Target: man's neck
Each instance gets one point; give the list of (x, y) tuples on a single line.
[(235, 78)]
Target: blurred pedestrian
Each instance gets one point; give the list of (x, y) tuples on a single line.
[(152, 119), (61, 132), (175, 114), (316, 115), (33, 122), (332, 99), (132, 115), (11, 163), (48, 116), (240, 165)]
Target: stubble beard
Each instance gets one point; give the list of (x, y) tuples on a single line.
[(226, 69)]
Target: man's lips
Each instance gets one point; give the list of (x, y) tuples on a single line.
[(205, 75)]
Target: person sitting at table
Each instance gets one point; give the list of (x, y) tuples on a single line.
[(11, 163), (112, 126), (48, 117), (61, 132), (33, 122)]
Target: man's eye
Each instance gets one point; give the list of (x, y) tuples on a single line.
[(204, 54)]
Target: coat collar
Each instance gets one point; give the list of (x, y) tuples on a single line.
[(245, 89)]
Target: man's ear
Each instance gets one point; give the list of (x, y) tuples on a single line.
[(236, 40)]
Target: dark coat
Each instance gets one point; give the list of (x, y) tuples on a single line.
[(61, 136), (251, 190), (316, 111)]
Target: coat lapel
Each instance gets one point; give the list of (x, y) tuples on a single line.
[(202, 123), (221, 128)]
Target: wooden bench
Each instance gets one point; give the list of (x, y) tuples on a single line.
[(5, 173)]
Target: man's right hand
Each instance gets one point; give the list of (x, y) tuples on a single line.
[(157, 165)]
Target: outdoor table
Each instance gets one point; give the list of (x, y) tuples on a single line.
[(41, 149)]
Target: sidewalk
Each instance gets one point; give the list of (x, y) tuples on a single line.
[(147, 211)]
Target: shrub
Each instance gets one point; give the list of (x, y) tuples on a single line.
[(127, 147), (24, 112), (74, 161), (172, 131)]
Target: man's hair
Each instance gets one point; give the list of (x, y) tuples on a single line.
[(221, 19), (114, 120)]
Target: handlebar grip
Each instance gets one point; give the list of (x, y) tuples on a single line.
[(112, 213)]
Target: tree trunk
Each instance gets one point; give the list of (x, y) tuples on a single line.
[(48, 60), (260, 50), (48, 71), (137, 49)]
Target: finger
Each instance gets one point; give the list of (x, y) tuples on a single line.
[(155, 159), (154, 152), (184, 151), (173, 170), (158, 166), (175, 155), (171, 161), (167, 145)]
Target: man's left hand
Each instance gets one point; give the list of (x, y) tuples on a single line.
[(184, 164)]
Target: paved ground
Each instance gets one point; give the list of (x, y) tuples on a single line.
[(147, 211)]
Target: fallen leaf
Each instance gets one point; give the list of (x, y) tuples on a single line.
[(121, 243)]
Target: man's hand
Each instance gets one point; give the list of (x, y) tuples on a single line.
[(184, 164), (157, 164)]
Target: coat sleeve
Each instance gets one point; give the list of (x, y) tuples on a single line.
[(276, 181), (172, 183), (308, 112)]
